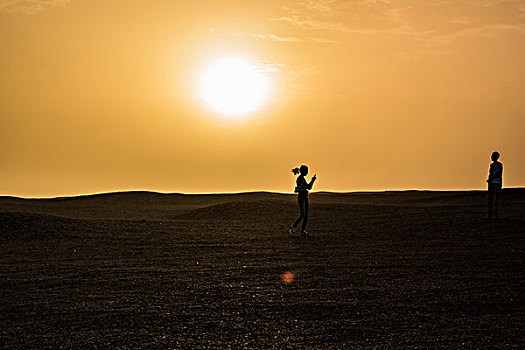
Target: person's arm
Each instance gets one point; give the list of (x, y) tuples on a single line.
[(498, 172), (491, 173), (312, 182)]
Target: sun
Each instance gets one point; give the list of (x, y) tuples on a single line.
[(233, 86)]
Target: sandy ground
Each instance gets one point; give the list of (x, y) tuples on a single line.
[(401, 270)]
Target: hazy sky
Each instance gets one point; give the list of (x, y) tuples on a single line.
[(100, 95)]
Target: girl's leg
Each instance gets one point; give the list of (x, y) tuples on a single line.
[(301, 211), (305, 213)]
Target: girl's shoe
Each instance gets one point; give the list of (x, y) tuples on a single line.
[(291, 230), (305, 234)]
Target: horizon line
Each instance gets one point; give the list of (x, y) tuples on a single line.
[(247, 192)]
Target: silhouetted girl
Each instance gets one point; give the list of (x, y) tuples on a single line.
[(302, 189)]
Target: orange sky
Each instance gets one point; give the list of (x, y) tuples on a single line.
[(99, 95)]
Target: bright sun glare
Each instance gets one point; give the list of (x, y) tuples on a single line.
[(233, 86)]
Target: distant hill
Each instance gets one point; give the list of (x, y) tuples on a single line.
[(174, 206)]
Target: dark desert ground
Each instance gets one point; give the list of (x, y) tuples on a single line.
[(407, 270)]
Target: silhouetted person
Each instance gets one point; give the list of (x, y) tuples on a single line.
[(495, 182), (302, 189)]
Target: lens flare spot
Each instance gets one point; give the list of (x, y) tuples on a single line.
[(287, 277)]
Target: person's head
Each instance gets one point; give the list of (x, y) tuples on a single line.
[(494, 156), (303, 170)]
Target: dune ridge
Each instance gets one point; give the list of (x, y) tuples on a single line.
[(155, 205)]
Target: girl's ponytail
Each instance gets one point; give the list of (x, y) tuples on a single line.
[(295, 171)]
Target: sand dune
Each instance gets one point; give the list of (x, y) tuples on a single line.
[(414, 269), (142, 204)]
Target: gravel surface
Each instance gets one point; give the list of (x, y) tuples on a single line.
[(401, 270)]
